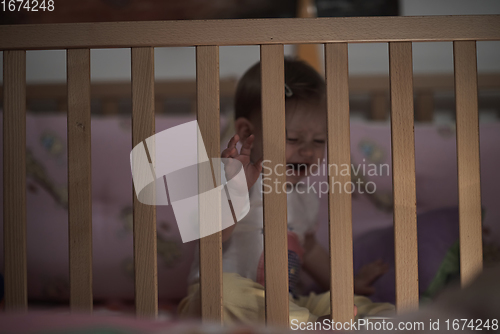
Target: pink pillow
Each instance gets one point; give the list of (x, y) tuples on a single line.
[(436, 174), (47, 215)]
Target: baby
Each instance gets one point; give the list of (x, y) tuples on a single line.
[(243, 263)]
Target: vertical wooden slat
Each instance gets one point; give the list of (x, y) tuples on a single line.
[(378, 106), (207, 86), (274, 203), (143, 126), (469, 185), (79, 180), (339, 201), (403, 175), (14, 180), (308, 52), (424, 105)]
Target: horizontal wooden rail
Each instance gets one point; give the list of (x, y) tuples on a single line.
[(435, 82), (249, 32), (122, 89), (358, 84)]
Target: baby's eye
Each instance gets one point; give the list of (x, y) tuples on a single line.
[(292, 140), (320, 141)]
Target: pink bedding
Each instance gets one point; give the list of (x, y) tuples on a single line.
[(66, 323), (112, 200)]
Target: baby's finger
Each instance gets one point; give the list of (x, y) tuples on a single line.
[(258, 164), (383, 266), (247, 146), (229, 153), (233, 141)]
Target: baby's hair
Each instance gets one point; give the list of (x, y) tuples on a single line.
[(302, 83)]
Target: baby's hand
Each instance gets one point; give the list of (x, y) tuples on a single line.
[(367, 275), (252, 171)]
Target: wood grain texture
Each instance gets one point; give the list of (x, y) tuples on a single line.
[(403, 175), (79, 180), (339, 200), (469, 183), (14, 180), (274, 202), (207, 82), (249, 32), (143, 126), (308, 52)]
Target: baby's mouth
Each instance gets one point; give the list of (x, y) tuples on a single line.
[(299, 168)]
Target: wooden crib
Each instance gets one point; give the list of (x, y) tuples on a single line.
[(271, 35), (368, 94), (174, 96)]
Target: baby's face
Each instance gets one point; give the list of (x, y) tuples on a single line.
[(305, 140)]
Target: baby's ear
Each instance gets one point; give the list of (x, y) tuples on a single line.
[(243, 127)]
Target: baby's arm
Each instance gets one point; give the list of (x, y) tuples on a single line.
[(252, 171), (317, 261), (367, 275), (317, 264)]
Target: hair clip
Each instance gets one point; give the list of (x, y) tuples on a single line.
[(288, 91)]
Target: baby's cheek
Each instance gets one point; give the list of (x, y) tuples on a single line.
[(321, 153), (289, 152)]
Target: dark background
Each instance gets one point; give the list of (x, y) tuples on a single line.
[(67, 11)]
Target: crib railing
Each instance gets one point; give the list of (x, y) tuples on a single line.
[(271, 34), (108, 97)]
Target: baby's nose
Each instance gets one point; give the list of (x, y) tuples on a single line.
[(306, 150)]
